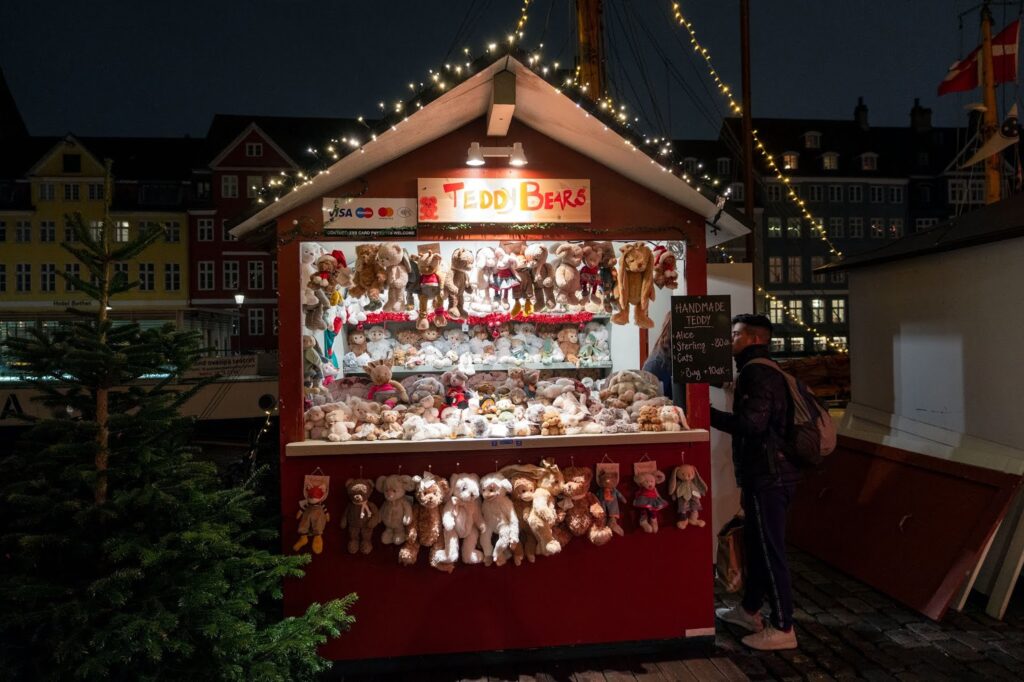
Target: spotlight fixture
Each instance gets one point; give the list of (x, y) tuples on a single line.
[(239, 299), (515, 154)]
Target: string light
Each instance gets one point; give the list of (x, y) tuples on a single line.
[(799, 322)]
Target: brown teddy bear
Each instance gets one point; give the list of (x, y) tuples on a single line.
[(524, 293), (456, 284), (383, 388), (590, 273), (609, 280), (312, 515), (569, 343), (394, 262), (369, 276), (649, 419), (361, 515), (552, 424), (585, 516), (428, 290), (636, 284), (543, 276), (424, 529), (567, 276), (534, 490)]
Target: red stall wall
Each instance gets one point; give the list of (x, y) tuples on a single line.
[(638, 587)]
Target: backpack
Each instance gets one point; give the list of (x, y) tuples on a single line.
[(812, 435)]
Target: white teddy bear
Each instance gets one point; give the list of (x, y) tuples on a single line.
[(499, 519), (379, 343), (463, 519)]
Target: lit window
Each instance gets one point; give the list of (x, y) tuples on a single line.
[(229, 186), (776, 311), (253, 184), (775, 227), (793, 228), (796, 344), (869, 162), (796, 310), (790, 161), (820, 343), (877, 228), (230, 274), (121, 231), (830, 161), (778, 344), (856, 228), (838, 311), (253, 150), (812, 140), (839, 342), (795, 269), (204, 230), (775, 269), (817, 310)]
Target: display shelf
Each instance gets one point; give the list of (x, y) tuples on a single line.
[(406, 371), (546, 317), (317, 448)]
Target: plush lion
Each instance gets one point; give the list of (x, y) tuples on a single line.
[(635, 285)]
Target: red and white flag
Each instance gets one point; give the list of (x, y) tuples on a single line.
[(966, 73)]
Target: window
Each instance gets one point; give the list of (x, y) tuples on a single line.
[(47, 231), (922, 159), (71, 270), (3, 278), (70, 192), (924, 194), (172, 231), (817, 262), (796, 344), (796, 310), (839, 342), (838, 311), (276, 329), (775, 227), (790, 161), (205, 275), (976, 192), (225, 229), (724, 167), (47, 277), (838, 277), (778, 344), (856, 228), (121, 231), (203, 189), (204, 230), (855, 194), (23, 231), (776, 311), (896, 228), (229, 186), (794, 269), (23, 277), (774, 192), (836, 228), (690, 165), (820, 343), (172, 277), (814, 193), (96, 191), (273, 277), (877, 194), (256, 322), (877, 229), (253, 184), (738, 191), (47, 191), (254, 150), (922, 224), (830, 161), (69, 232), (147, 272), (230, 274), (72, 163), (120, 272), (869, 161), (793, 228), (817, 310), (957, 191), (812, 140), (255, 274), (775, 269), (895, 195)]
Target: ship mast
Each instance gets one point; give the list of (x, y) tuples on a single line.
[(993, 165), (590, 49)]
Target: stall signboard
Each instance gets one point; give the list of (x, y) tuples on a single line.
[(503, 200), (701, 341), (359, 218)]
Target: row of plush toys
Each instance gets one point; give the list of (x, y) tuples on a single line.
[(520, 512), (499, 404), (517, 277)]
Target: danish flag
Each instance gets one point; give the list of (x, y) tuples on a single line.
[(966, 73)]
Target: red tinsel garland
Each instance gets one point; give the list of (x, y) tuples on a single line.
[(492, 320)]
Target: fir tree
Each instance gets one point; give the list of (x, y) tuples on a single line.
[(123, 555)]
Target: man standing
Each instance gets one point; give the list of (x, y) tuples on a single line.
[(758, 423)]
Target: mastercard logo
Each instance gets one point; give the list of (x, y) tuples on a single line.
[(386, 212)]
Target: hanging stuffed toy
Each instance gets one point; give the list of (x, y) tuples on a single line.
[(609, 496), (686, 488), (590, 276), (369, 276), (665, 275), (457, 285), (424, 529), (429, 290), (567, 276), (609, 280), (394, 261), (313, 516), (636, 284), (361, 515), (647, 499)]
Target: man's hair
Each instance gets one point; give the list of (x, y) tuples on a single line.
[(760, 322)]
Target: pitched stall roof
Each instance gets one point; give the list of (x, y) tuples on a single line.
[(540, 106)]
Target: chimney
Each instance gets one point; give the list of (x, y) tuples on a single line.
[(860, 114), (920, 118)]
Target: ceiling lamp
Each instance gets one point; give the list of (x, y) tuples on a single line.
[(515, 154)]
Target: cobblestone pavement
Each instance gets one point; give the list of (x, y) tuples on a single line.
[(846, 630)]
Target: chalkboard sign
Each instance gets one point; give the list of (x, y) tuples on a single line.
[(701, 340)]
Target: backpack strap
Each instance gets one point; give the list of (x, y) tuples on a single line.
[(801, 414)]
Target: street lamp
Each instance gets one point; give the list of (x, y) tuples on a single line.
[(239, 300)]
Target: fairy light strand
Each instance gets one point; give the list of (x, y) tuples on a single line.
[(800, 323)]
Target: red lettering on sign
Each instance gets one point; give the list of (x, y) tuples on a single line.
[(453, 189), (530, 198)]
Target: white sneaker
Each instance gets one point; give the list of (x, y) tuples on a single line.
[(771, 639), (737, 615)]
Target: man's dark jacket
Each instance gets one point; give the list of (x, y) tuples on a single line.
[(761, 412)]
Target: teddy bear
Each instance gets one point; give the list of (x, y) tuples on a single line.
[(393, 260), (499, 519), (523, 485), (338, 426), (429, 289), (396, 511), (686, 488), (672, 418), (308, 253), (390, 427), (312, 360), (422, 386), (609, 498), (361, 515), (609, 278), (524, 292), (635, 285), (590, 276), (456, 284), (649, 419), (314, 423), (456, 393), (463, 519), (543, 274), (316, 312), (457, 341), (486, 264), (312, 515), (569, 343), (369, 277), (567, 275), (379, 342), (584, 515), (416, 427), (534, 490), (615, 420), (383, 388), (552, 424), (356, 342), (665, 275), (505, 279), (424, 528), (647, 499)]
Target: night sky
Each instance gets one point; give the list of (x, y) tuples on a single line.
[(155, 67)]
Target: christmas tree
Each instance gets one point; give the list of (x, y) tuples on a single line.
[(123, 555)]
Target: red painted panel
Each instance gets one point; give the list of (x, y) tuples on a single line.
[(909, 525)]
